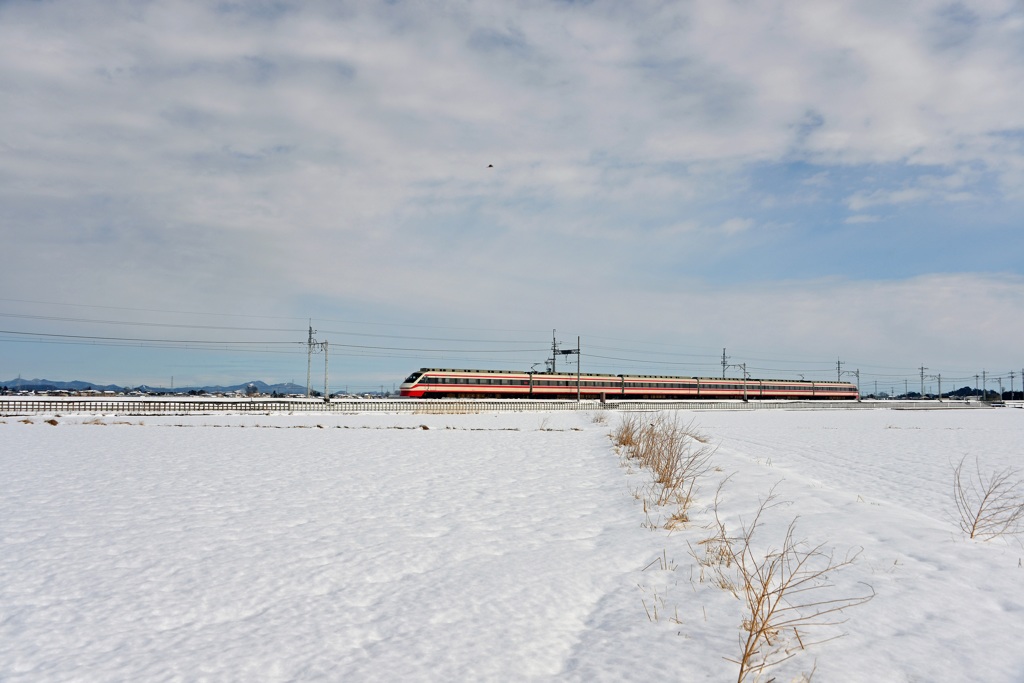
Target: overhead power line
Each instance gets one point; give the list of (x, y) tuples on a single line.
[(208, 342), (139, 339), (147, 324)]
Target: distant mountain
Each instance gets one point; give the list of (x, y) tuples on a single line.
[(21, 384), (261, 387)]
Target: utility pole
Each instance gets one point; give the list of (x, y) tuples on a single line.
[(923, 368), (984, 386), (571, 352), (311, 345), (725, 363), (839, 370), (939, 378), (743, 367), (554, 351), (976, 392), (855, 373), (309, 357), (1011, 385)]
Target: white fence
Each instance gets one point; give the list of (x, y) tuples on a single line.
[(25, 405)]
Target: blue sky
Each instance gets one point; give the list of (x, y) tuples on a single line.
[(444, 183)]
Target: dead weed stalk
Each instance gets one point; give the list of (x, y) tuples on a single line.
[(785, 591), (988, 506)]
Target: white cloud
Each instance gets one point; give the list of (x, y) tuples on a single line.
[(234, 153), (734, 226), (862, 218)]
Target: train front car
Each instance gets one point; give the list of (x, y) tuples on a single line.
[(412, 387), (449, 383)]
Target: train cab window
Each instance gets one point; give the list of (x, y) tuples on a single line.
[(413, 377)]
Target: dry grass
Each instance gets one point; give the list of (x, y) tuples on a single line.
[(785, 591), (717, 557), (988, 506), (676, 454)]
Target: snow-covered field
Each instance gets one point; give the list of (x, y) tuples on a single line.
[(484, 547)]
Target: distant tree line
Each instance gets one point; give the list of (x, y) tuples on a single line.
[(962, 393)]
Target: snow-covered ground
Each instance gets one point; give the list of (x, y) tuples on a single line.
[(484, 547)]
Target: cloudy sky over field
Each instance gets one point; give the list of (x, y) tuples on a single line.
[(798, 182)]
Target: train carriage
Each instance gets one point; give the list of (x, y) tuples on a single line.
[(451, 383)]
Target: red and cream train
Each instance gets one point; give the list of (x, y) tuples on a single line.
[(442, 383)]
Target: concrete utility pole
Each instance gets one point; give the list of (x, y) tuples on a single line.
[(309, 358), (939, 378), (725, 363), (839, 370), (923, 368), (855, 373), (574, 352), (976, 392), (1011, 385), (984, 386), (554, 351), (743, 367), (311, 345)]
